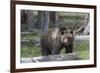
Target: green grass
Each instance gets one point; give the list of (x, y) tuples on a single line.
[(30, 51), (82, 49), (29, 36)]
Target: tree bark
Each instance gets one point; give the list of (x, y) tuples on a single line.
[(43, 21), (30, 20), (53, 19)]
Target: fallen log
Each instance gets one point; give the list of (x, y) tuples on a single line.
[(64, 57), (81, 38)]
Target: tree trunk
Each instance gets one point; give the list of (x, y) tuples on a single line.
[(43, 21), (53, 19), (40, 19), (23, 16), (30, 20)]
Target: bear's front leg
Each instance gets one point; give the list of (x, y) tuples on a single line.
[(55, 51), (69, 48)]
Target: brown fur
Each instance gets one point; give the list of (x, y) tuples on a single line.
[(52, 42)]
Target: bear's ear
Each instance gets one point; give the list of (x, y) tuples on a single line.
[(71, 31), (62, 30)]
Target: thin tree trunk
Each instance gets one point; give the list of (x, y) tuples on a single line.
[(53, 19), (44, 21), (40, 19), (30, 20)]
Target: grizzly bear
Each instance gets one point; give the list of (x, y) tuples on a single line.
[(55, 39)]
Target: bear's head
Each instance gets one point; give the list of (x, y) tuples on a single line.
[(67, 36)]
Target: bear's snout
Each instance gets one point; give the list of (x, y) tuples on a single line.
[(65, 40)]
